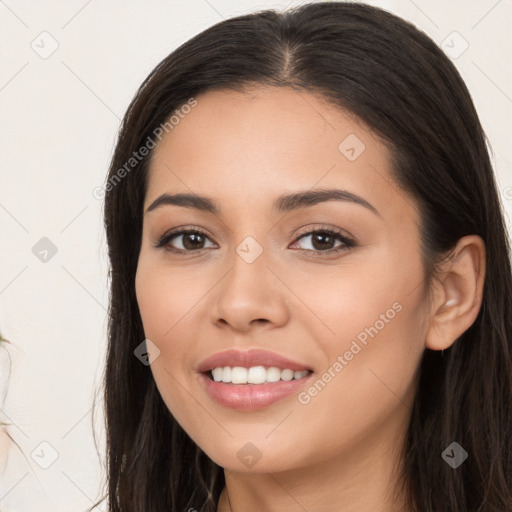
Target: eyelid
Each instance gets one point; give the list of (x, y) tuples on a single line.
[(306, 230), (347, 241), (180, 230)]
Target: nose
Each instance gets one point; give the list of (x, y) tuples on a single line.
[(248, 296)]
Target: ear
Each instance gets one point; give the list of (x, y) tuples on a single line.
[(457, 294)]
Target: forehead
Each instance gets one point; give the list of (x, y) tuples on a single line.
[(269, 121), (251, 146)]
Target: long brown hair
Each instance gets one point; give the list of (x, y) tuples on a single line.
[(394, 78)]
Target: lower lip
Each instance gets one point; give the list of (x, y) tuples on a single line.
[(250, 397)]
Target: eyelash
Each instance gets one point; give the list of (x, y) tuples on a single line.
[(347, 242)]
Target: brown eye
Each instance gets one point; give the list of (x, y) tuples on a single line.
[(324, 240), (193, 241), (190, 240)]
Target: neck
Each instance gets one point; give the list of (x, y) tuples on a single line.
[(361, 479)]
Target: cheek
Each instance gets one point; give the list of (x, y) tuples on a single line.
[(373, 338), (163, 305), (369, 379), (168, 301), (165, 297), (343, 303)]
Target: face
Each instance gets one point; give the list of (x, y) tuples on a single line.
[(332, 283)]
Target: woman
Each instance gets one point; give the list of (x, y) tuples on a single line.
[(310, 277)]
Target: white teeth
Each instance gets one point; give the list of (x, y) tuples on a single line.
[(239, 375), (217, 374), (273, 374), (287, 375), (254, 374), (226, 374), (257, 375)]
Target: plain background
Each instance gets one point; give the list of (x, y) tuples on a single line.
[(59, 115)]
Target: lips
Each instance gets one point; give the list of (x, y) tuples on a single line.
[(251, 397), (249, 358)]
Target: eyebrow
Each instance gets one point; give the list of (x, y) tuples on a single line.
[(284, 203)]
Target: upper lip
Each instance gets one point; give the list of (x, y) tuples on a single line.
[(248, 358)]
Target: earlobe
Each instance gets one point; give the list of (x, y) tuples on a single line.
[(458, 295)]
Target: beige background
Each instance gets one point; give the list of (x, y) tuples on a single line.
[(59, 117)]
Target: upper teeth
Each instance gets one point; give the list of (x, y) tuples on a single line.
[(254, 374)]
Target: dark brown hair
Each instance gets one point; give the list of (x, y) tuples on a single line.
[(401, 85)]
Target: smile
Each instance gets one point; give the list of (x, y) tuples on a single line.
[(255, 374)]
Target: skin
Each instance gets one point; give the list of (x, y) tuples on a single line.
[(340, 451)]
